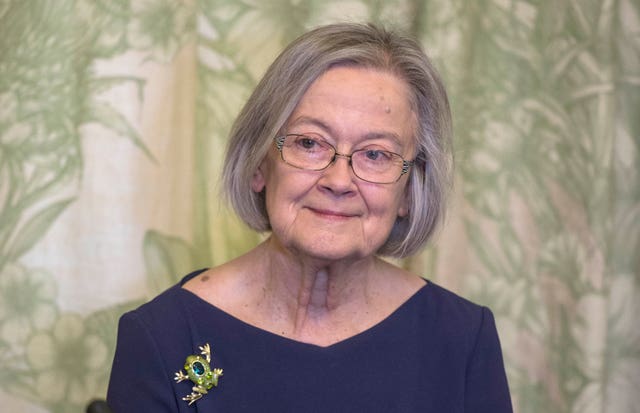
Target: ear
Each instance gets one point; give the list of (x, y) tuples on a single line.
[(405, 202), (258, 180)]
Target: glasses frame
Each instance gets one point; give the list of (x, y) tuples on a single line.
[(279, 142)]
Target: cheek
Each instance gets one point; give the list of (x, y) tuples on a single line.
[(391, 203), (282, 194)]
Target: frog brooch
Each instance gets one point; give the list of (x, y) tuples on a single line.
[(199, 371)]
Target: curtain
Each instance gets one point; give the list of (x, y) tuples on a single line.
[(113, 122)]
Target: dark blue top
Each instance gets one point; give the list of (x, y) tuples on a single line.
[(436, 353)]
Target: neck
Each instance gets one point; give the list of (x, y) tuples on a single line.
[(307, 294)]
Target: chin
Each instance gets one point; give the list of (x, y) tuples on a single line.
[(331, 251), (323, 245)]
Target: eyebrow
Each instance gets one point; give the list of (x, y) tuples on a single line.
[(307, 120)]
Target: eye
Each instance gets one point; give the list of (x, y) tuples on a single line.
[(377, 155), (308, 143)]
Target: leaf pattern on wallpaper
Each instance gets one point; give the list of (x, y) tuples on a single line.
[(545, 98), (166, 258), (48, 91), (541, 108)]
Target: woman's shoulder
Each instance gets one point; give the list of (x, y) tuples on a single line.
[(232, 286), (450, 311), (448, 299), (216, 281), (164, 309)]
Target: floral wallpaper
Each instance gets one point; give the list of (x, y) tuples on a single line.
[(113, 122)]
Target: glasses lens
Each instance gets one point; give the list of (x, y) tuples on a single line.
[(307, 151), (377, 165)]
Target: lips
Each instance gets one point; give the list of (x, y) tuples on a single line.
[(329, 213)]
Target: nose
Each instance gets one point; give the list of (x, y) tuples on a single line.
[(338, 177)]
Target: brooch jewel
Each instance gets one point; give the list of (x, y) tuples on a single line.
[(198, 370)]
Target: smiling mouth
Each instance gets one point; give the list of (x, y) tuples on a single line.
[(331, 214)]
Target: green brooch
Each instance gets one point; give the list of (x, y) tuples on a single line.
[(199, 371)]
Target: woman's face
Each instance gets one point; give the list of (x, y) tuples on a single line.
[(332, 214)]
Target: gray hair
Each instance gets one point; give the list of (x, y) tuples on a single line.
[(288, 78)]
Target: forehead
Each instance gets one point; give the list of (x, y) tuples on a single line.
[(356, 102)]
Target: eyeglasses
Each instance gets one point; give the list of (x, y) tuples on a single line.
[(311, 152)]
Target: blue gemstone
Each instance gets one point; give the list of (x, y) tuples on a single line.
[(198, 368)]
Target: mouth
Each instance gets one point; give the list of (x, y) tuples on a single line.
[(331, 214)]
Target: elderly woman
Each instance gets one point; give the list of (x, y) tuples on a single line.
[(342, 154)]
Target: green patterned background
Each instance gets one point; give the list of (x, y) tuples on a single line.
[(113, 120)]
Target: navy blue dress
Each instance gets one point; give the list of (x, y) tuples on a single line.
[(437, 353)]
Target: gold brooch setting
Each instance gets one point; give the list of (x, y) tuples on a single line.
[(198, 370)]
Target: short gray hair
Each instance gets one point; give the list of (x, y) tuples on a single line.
[(288, 78)]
